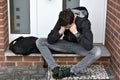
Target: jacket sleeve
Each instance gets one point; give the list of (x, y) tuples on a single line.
[(54, 35), (85, 38)]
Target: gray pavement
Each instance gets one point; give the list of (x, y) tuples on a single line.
[(93, 72), (23, 73)]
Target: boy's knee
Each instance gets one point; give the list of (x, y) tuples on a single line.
[(40, 41), (97, 52), (37, 41)]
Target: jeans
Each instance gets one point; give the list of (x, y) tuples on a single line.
[(69, 47)]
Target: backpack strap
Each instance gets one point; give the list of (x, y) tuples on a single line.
[(11, 45)]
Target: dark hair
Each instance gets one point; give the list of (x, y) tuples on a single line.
[(66, 17)]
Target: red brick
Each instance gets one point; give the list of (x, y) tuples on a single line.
[(104, 59), (72, 63), (114, 16), (2, 58), (1, 34), (7, 64), (31, 58), (118, 2), (39, 63), (2, 2), (3, 9), (62, 63), (24, 63), (80, 58), (2, 40), (3, 15), (115, 63), (2, 46), (110, 3), (2, 28), (14, 58), (66, 58), (2, 52), (106, 63), (2, 22)]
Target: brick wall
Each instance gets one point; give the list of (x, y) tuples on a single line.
[(112, 40), (38, 60), (3, 28)]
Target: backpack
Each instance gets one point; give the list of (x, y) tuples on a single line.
[(24, 45)]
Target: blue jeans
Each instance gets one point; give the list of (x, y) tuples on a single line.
[(69, 47)]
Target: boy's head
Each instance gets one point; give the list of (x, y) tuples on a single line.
[(66, 17)]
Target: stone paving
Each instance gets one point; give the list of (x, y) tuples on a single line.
[(40, 73), (23, 73)]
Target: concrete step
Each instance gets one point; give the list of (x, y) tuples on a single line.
[(61, 58)]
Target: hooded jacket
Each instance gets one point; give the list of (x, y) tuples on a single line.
[(85, 39)]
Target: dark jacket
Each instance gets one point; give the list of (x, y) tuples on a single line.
[(84, 28)]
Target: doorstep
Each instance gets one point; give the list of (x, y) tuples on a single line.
[(105, 53), (60, 58)]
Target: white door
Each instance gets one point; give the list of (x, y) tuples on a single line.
[(44, 14), (47, 15), (97, 16)]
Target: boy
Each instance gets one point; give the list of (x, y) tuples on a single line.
[(75, 28)]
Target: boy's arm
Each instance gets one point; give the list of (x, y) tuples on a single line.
[(85, 38), (54, 35)]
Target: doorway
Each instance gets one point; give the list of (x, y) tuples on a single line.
[(43, 15)]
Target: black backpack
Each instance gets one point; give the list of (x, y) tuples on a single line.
[(24, 45)]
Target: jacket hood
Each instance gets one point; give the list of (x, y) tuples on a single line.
[(80, 12)]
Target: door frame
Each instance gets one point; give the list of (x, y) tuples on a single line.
[(33, 21)]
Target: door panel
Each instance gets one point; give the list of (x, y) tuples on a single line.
[(24, 17), (97, 16), (21, 16), (47, 15), (70, 4)]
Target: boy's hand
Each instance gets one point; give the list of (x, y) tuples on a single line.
[(62, 30), (73, 29)]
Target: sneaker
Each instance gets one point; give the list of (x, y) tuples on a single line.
[(55, 71), (65, 73)]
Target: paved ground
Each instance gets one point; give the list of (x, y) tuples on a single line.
[(40, 73), (23, 73), (93, 72)]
